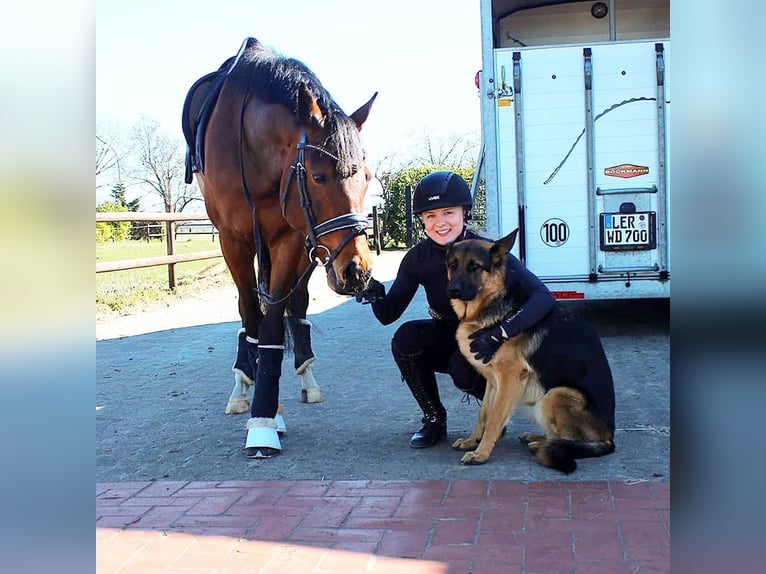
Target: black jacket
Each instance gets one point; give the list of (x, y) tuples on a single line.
[(424, 264)]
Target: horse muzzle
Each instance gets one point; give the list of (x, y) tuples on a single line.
[(353, 277)]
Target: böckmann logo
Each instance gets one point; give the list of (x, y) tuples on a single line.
[(626, 170)]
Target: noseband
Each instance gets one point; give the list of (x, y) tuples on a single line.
[(355, 222)]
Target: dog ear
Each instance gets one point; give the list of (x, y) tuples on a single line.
[(500, 249)]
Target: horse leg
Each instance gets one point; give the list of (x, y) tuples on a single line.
[(243, 377), (300, 328), (262, 427), (239, 256)]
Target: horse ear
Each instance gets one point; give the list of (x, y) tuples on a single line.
[(308, 110), (360, 115), (502, 247)]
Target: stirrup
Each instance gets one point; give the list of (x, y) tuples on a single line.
[(262, 438)]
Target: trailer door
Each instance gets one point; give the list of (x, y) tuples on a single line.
[(582, 164)]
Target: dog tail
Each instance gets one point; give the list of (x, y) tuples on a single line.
[(560, 454)]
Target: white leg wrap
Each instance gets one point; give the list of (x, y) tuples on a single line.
[(238, 401), (310, 391), (262, 432), (280, 420)]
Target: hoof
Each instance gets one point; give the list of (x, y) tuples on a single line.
[(237, 406), (280, 420), (311, 395), (262, 438)]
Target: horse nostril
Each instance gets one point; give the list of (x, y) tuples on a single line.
[(351, 272)]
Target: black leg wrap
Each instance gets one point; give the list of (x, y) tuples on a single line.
[(300, 330), (251, 349), (266, 393), (244, 362), (422, 383), (465, 377)]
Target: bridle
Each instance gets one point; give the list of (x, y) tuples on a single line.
[(356, 223)]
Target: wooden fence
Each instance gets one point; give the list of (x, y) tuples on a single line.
[(171, 220)]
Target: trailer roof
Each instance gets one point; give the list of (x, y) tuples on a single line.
[(503, 8)]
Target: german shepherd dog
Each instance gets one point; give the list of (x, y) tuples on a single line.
[(557, 369)]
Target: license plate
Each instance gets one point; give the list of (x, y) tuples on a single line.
[(628, 231)]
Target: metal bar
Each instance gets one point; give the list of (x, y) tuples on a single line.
[(488, 108), (603, 269), (612, 22), (590, 150), (618, 191), (521, 190), (662, 228), (107, 266)]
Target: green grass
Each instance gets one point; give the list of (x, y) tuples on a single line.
[(126, 291)]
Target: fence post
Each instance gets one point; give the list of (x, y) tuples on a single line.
[(376, 229), (170, 234), (408, 214)]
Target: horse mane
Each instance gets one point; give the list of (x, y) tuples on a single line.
[(277, 79)]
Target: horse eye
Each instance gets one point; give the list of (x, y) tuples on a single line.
[(319, 178)]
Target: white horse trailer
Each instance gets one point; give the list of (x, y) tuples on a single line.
[(575, 106)]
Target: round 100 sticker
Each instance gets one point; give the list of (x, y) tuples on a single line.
[(554, 232)]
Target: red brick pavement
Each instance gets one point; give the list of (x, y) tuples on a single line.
[(383, 527)]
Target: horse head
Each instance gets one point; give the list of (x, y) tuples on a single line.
[(331, 178)]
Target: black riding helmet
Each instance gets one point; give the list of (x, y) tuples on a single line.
[(441, 189)]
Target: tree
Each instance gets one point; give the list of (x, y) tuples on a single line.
[(395, 184), (457, 150), (115, 230), (118, 195), (430, 148), (109, 159), (160, 167)]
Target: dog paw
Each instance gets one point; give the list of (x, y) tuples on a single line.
[(464, 444), (529, 437), (534, 442), (473, 457)]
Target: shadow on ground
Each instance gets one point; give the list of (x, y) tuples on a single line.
[(160, 401)]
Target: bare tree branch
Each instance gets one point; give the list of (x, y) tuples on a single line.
[(108, 156), (160, 166)]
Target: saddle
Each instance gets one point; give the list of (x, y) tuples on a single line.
[(198, 106)]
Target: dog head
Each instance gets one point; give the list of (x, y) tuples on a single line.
[(476, 272)]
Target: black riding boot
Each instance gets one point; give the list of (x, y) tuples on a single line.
[(422, 384)]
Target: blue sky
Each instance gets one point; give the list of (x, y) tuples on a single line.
[(420, 55)]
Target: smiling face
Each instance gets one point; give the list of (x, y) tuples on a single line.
[(444, 225)]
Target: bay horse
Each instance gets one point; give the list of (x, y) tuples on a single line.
[(282, 171)]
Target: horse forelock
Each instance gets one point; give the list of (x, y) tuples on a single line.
[(276, 79), (343, 142)]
